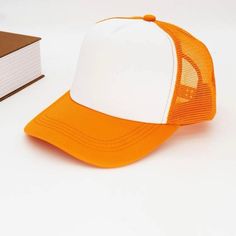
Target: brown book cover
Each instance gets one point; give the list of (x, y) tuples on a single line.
[(10, 43)]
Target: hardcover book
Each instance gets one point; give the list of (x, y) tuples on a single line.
[(20, 62)]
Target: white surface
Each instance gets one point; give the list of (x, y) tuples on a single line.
[(19, 68), (187, 187), (126, 69)]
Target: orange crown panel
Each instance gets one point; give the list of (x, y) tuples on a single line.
[(194, 99)]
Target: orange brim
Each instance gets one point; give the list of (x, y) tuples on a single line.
[(96, 138)]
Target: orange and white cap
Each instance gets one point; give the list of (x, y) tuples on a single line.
[(138, 79)]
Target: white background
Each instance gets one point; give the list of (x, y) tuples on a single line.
[(187, 187)]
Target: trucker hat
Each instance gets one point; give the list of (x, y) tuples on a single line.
[(137, 81)]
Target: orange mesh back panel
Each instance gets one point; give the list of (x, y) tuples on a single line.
[(194, 99)]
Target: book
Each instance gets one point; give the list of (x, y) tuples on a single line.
[(20, 62)]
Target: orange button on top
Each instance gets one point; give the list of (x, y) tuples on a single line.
[(149, 18)]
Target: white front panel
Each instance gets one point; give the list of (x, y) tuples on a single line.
[(125, 70)]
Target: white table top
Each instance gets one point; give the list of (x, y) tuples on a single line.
[(187, 187)]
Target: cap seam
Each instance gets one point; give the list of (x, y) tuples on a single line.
[(173, 74), (132, 132), (104, 148), (76, 135)]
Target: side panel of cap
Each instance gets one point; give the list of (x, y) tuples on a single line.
[(126, 69)]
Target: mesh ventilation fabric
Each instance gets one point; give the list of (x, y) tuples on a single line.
[(194, 99)]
